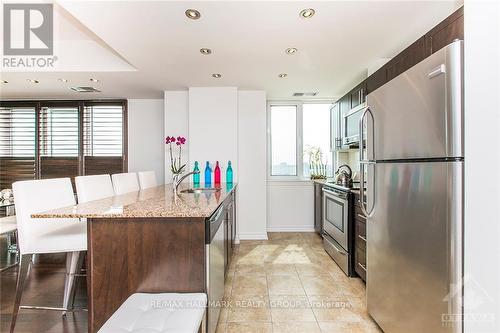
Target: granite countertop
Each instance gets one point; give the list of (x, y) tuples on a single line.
[(157, 201)]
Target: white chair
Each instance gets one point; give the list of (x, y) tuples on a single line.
[(147, 179), (36, 236), (8, 226), (125, 182), (89, 188), (167, 312)]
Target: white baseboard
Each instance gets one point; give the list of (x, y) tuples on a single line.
[(252, 236), (291, 228)]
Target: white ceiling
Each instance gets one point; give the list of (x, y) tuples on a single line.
[(138, 49)]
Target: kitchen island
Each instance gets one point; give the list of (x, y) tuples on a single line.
[(151, 241)]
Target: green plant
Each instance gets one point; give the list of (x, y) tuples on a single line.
[(317, 168)]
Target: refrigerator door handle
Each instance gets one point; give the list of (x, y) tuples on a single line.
[(363, 161)]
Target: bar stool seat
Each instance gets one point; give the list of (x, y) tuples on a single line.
[(158, 313), (8, 224)]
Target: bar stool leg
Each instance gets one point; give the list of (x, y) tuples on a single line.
[(24, 263), (74, 261)]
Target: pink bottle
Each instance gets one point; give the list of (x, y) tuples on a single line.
[(217, 173)]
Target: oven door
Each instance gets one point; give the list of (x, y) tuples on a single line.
[(335, 216)]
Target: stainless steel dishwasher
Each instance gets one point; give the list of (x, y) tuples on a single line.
[(215, 231)]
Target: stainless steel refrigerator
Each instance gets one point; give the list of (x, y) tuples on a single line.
[(413, 155)]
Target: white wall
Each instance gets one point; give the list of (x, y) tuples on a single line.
[(290, 206), (482, 165), (226, 124), (251, 198), (213, 127), (145, 136), (176, 124)]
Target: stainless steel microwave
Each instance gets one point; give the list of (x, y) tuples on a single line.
[(350, 126)]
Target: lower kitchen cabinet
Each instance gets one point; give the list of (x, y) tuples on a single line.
[(318, 207), (230, 227), (359, 239)]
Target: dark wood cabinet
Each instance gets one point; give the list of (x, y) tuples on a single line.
[(230, 230), (444, 33), (357, 95), (318, 208), (360, 239)]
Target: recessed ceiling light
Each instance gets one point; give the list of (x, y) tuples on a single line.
[(307, 13), (291, 50), (5, 81), (63, 80), (282, 75), (205, 51), (193, 14), (217, 75), (32, 81), (94, 80)]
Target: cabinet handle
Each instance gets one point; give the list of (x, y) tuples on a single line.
[(363, 238), (362, 266)]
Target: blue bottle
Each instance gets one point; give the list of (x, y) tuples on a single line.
[(208, 175), (229, 173), (196, 176)]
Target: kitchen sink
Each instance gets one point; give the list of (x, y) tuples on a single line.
[(201, 190)]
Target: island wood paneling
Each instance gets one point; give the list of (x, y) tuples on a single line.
[(127, 255)]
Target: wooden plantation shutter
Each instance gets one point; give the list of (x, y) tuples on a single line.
[(103, 138), (17, 144), (59, 140)]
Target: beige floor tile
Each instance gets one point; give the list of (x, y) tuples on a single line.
[(221, 328), (252, 327), (320, 285), (330, 308), (251, 269), (249, 308), (342, 327), (289, 302), (280, 269), (285, 285), (248, 285), (316, 269), (296, 327), (285, 315)]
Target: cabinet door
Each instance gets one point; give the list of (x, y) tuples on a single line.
[(446, 32), (336, 129), (358, 94)]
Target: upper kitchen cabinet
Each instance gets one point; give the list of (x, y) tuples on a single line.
[(336, 127), (445, 32), (357, 96)]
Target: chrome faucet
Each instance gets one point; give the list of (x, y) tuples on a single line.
[(177, 181)]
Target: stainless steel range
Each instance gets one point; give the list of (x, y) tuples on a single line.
[(337, 228)]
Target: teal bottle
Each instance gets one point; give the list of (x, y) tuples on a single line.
[(229, 173), (208, 175), (196, 176)]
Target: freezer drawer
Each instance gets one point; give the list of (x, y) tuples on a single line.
[(414, 253)]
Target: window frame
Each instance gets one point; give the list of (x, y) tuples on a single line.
[(299, 154)]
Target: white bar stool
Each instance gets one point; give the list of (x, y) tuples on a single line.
[(38, 236), (147, 179), (125, 182), (8, 226), (162, 313), (89, 188)]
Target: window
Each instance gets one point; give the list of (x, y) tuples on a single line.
[(283, 140), (51, 139), (17, 144), (299, 140), (316, 139)]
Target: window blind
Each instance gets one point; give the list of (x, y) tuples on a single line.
[(17, 144), (103, 138)]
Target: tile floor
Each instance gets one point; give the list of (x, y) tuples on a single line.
[(290, 284)]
